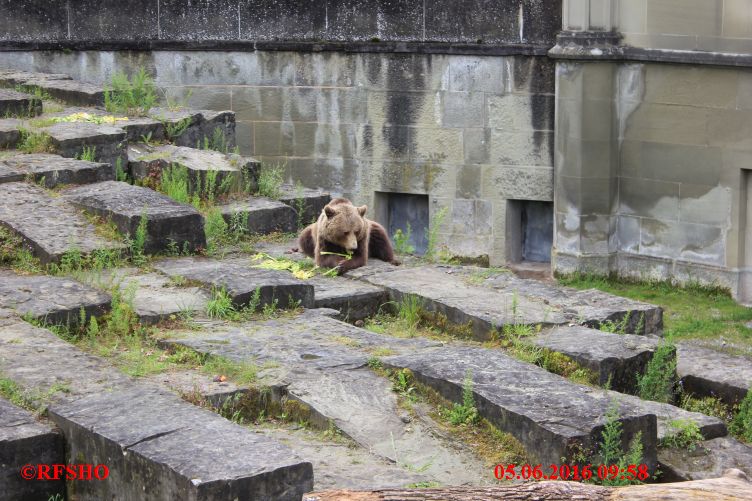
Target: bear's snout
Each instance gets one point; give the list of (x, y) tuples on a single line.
[(351, 244)]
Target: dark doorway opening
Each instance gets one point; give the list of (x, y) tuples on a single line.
[(405, 212), (530, 231)]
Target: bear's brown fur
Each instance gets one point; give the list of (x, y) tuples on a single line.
[(343, 228)]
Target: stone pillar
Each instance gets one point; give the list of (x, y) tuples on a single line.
[(586, 149)]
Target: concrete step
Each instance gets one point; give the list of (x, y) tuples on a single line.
[(110, 419), (322, 363), (705, 371), (592, 308), (615, 357), (261, 215), (18, 104), (58, 86), (11, 77), (70, 139), (155, 298), (10, 135), (446, 293), (241, 282), (168, 222), (551, 416), (26, 441), (312, 202), (134, 127), (190, 127), (710, 459), (48, 224), (53, 300), (353, 300), (53, 170), (146, 161)]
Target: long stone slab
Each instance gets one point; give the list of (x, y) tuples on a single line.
[(710, 459), (321, 362), (70, 139), (53, 170), (146, 161), (49, 226), (353, 300), (23, 441), (241, 282), (10, 135), (705, 372), (262, 215), (462, 303), (174, 449), (54, 300), (18, 104), (618, 358), (550, 415), (155, 297), (591, 307), (69, 91), (168, 222)]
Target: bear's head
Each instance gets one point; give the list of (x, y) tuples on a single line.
[(344, 224)]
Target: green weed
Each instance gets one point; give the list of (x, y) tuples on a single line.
[(15, 254), (270, 180), (137, 243), (173, 130), (684, 434), (216, 230), (174, 183), (134, 96), (88, 154), (432, 233), (402, 241), (120, 173), (611, 452), (35, 142), (465, 413), (220, 305), (659, 379), (741, 426)]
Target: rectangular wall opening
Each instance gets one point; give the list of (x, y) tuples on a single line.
[(398, 210), (530, 231)]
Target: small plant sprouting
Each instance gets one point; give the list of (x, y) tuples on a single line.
[(217, 142), (35, 142), (134, 96), (270, 180), (88, 154), (174, 183), (465, 413), (220, 305), (137, 242), (255, 302), (741, 425), (402, 383), (402, 241), (659, 379), (433, 233), (409, 310), (120, 174), (176, 129), (269, 310), (611, 452), (684, 434), (616, 326)]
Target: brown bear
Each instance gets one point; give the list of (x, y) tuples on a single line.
[(342, 229)]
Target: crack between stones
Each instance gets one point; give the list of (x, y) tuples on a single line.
[(153, 437)]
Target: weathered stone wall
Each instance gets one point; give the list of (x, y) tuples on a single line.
[(652, 179), (708, 25), (468, 131), (110, 21)]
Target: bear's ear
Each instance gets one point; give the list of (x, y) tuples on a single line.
[(330, 212), (362, 210)]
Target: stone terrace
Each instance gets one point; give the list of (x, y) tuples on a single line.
[(334, 370)]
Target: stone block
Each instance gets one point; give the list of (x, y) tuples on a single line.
[(241, 282), (24, 441), (53, 300), (48, 225), (261, 215), (698, 243), (216, 20), (520, 398), (18, 104), (10, 136), (462, 109), (34, 20), (168, 222), (70, 138), (708, 372), (710, 459), (106, 20), (649, 198), (312, 202), (53, 170)]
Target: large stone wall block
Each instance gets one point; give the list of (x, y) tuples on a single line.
[(69, 139), (24, 440), (33, 20), (214, 20), (241, 282), (374, 19), (102, 20), (168, 222), (63, 230), (261, 20)]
